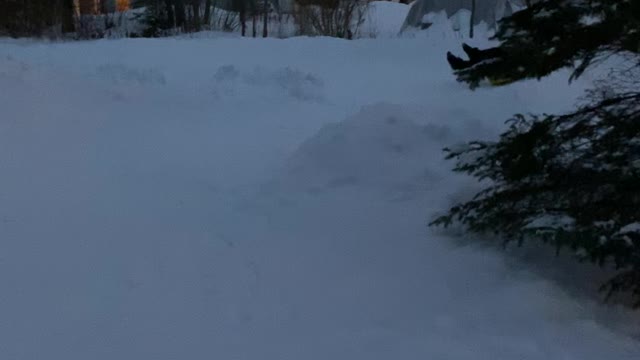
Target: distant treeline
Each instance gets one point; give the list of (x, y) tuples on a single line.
[(36, 17), (84, 19)]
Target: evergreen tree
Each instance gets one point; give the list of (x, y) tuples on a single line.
[(554, 34), (570, 180)]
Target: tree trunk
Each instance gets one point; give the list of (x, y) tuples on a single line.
[(254, 22), (180, 13), (472, 18), (195, 5), (265, 30), (207, 13), (171, 16), (67, 12), (243, 18)]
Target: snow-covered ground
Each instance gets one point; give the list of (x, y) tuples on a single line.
[(235, 198)]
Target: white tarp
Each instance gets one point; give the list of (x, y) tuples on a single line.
[(487, 11)]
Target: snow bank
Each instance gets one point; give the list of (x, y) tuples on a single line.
[(384, 19), (450, 28), (370, 182), (487, 11), (380, 146)]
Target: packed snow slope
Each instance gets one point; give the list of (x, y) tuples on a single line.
[(262, 199)]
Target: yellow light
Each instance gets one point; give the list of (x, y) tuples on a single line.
[(122, 5)]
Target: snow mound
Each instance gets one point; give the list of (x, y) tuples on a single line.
[(487, 11), (384, 19), (381, 145), (450, 28)]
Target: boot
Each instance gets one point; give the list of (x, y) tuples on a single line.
[(475, 54), (457, 63)]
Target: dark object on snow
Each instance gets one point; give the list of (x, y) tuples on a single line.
[(475, 56)]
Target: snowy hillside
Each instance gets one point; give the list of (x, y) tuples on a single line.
[(239, 198)]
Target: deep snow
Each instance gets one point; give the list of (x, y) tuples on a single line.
[(262, 199)]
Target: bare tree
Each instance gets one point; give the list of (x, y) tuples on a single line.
[(265, 30), (171, 16), (254, 21), (36, 17), (241, 7), (68, 12), (180, 11), (472, 18), (207, 13), (337, 18), (195, 23)]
